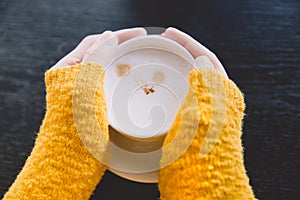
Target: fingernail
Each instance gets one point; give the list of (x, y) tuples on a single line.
[(138, 29), (106, 31), (106, 34)]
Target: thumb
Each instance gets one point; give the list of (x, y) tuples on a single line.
[(102, 51)]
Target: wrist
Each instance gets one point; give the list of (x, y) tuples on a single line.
[(59, 87), (75, 97), (207, 79), (222, 167)]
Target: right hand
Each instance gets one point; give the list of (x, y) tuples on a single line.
[(218, 172)]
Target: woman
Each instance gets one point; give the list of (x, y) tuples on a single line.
[(60, 167)]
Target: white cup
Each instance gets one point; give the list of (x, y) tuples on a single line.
[(145, 84)]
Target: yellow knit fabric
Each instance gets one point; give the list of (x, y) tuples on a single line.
[(221, 173), (60, 167)]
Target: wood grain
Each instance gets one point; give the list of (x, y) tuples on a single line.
[(257, 41)]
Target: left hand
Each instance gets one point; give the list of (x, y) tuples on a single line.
[(98, 48), (60, 166)]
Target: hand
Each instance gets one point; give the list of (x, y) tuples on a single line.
[(203, 56), (219, 173), (98, 48), (60, 165)]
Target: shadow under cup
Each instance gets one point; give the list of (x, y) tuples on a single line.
[(144, 85)]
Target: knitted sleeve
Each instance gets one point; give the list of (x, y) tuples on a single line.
[(220, 174), (60, 167)]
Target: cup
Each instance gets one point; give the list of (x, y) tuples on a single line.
[(145, 84)]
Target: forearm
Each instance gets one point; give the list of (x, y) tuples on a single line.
[(59, 166), (221, 173)]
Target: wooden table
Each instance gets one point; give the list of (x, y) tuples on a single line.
[(257, 41)]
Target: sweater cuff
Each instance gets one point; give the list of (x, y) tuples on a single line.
[(213, 79), (61, 79)]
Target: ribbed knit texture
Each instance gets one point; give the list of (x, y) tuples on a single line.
[(60, 167), (221, 173)]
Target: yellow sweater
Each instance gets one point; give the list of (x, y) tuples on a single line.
[(60, 167)]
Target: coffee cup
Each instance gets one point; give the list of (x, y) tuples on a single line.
[(145, 84)]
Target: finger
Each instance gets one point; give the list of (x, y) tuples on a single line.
[(194, 47), (204, 62), (88, 41), (130, 33), (83, 46), (76, 55), (187, 41), (122, 35), (87, 44), (102, 38), (102, 50)]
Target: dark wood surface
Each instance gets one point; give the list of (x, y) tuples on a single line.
[(257, 41)]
